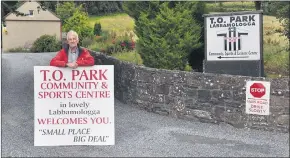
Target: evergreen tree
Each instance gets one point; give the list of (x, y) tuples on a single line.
[(66, 10), (167, 38), (79, 22)]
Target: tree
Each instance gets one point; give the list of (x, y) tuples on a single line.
[(79, 22), (66, 10), (134, 9), (196, 57), (166, 39), (196, 10), (258, 5), (280, 9), (97, 29), (101, 7), (283, 15)]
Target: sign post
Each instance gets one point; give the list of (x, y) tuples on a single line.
[(74, 106), (258, 97), (234, 43)]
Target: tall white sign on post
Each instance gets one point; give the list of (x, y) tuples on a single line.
[(74, 106), (233, 37)]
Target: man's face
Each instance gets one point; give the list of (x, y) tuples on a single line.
[(72, 41)]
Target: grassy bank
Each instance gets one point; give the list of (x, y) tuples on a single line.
[(117, 23)]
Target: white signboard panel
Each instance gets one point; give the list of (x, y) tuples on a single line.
[(258, 97), (233, 37), (74, 106)]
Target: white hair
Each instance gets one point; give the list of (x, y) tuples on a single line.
[(72, 33)]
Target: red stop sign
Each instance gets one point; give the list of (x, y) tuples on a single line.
[(257, 90)]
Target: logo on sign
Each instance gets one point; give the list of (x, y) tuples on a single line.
[(232, 39), (257, 90)]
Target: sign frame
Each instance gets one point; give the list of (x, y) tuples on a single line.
[(214, 66)]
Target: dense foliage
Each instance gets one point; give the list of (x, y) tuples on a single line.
[(168, 32), (46, 43), (281, 10), (74, 18)]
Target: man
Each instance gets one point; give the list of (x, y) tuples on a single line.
[(72, 55)]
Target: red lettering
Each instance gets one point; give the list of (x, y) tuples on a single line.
[(84, 74), (40, 96), (44, 74), (100, 120), (75, 73), (102, 95), (93, 74), (60, 75), (92, 94), (41, 121), (62, 121), (102, 75), (258, 90), (58, 94)]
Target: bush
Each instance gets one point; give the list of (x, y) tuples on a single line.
[(109, 43), (166, 40), (97, 29), (46, 43), (188, 68)]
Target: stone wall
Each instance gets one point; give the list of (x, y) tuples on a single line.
[(212, 98)]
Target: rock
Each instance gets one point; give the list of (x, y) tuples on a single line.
[(283, 120)]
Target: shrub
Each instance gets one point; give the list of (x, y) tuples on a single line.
[(97, 29), (188, 68), (46, 43), (119, 45), (66, 10), (166, 40)]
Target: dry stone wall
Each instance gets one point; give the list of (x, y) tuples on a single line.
[(205, 97)]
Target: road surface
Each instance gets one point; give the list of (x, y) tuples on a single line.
[(138, 133)]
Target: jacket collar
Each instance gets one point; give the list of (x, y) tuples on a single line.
[(66, 48)]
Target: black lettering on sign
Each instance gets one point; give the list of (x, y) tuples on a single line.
[(238, 19), (251, 18), (211, 20), (245, 18), (220, 20), (242, 19), (232, 18)]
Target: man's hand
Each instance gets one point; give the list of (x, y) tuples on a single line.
[(72, 65)]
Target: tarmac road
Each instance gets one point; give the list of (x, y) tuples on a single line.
[(138, 133)]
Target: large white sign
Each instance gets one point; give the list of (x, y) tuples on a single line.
[(258, 97), (233, 37), (74, 106)]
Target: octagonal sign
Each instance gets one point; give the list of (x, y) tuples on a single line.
[(257, 90)]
